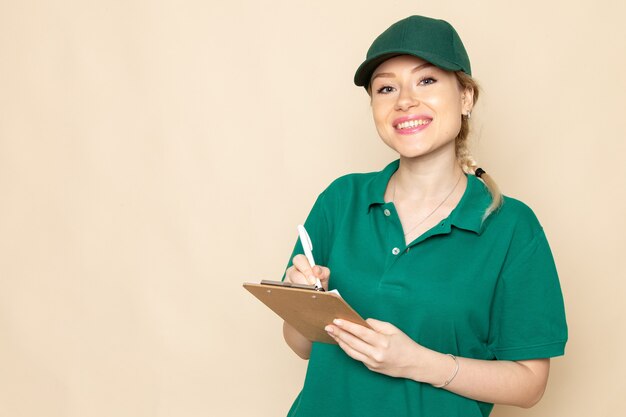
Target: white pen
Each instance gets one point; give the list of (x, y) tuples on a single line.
[(307, 245)]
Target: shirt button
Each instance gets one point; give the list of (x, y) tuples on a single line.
[(408, 249), (387, 212), (395, 251)]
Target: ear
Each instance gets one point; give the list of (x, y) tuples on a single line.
[(467, 100)]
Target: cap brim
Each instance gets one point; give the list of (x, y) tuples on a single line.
[(364, 73)]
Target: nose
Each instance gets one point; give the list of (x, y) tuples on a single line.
[(406, 99)]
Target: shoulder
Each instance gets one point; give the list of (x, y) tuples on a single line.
[(516, 225), (351, 182), (518, 212), (369, 185), (354, 192)]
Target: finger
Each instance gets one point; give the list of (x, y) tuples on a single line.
[(382, 326), (321, 272), (345, 343), (369, 336), (353, 353), (294, 276), (302, 265), (354, 342)]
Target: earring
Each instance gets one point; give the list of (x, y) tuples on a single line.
[(469, 114)]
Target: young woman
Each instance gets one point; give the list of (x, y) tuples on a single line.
[(459, 281)]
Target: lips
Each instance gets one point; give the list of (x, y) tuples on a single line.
[(407, 125)]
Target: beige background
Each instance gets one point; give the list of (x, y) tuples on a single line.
[(156, 154)]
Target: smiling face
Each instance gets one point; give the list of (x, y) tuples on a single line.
[(417, 106)]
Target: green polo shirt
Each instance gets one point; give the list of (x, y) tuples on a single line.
[(485, 290)]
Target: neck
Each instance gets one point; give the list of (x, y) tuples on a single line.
[(421, 180)]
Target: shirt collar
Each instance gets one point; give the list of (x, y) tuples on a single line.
[(468, 214), (377, 186)]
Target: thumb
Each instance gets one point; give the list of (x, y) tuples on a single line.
[(382, 326), (321, 272)]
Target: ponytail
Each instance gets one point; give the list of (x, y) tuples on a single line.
[(463, 155)]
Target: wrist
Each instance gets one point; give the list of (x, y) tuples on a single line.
[(452, 376), (434, 368), (296, 341)]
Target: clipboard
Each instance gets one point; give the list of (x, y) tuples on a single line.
[(306, 309)]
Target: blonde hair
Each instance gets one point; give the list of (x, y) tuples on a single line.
[(463, 154)]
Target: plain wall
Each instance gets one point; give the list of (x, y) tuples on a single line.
[(154, 155)]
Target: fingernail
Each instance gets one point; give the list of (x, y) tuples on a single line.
[(338, 322), (328, 329)]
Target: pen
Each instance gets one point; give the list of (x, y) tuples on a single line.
[(307, 245)]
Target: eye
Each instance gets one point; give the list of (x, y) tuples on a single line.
[(385, 90), (427, 81)]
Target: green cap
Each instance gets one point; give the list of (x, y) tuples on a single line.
[(432, 40)]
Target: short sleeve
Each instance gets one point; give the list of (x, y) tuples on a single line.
[(317, 226), (528, 314)]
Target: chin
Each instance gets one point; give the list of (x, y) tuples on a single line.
[(412, 152)]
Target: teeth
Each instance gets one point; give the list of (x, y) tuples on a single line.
[(412, 123)]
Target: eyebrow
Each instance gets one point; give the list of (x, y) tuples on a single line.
[(391, 74)]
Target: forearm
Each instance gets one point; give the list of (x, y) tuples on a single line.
[(296, 341), (501, 382), (386, 349)]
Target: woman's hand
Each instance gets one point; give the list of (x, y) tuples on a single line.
[(384, 348), (302, 273), (387, 350)]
